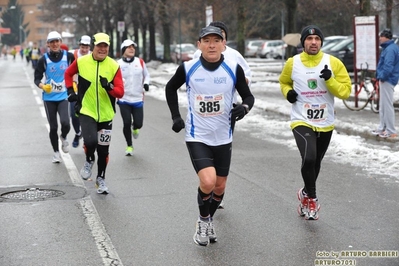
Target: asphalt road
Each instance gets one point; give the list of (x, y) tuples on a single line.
[(149, 216)]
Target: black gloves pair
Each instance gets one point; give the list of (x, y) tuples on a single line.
[(72, 97), (146, 87), (105, 84), (239, 111)]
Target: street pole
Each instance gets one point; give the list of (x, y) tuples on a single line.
[(20, 28)]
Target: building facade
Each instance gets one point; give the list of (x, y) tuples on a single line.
[(37, 30)]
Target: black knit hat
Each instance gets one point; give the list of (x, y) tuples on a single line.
[(220, 25), (387, 33), (311, 30)]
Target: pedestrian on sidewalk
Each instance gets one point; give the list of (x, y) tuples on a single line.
[(131, 105), (388, 77), (211, 82), (99, 84), (52, 65), (310, 81), (84, 49)]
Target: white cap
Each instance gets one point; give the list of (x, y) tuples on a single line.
[(85, 40), (53, 35), (127, 43)]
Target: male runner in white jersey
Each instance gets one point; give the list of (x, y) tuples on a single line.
[(232, 55), (310, 81), (211, 82)]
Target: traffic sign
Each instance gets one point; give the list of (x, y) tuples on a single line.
[(121, 26), (5, 30)]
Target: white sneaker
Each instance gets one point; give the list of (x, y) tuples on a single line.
[(85, 172), (101, 186), (313, 209), (211, 231), (201, 233), (64, 145), (56, 157)]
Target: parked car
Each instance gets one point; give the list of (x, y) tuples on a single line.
[(271, 49), (331, 40), (184, 54), (344, 50), (159, 52), (232, 44), (251, 47)]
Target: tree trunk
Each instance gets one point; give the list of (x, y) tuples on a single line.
[(364, 6), (388, 6), (291, 6), (165, 21), (241, 20)]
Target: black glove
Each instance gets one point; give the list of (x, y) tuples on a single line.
[(238, 112), (325, 73), (146, 87), (178, 124), (106, 85), (291, 96), (72, 97)]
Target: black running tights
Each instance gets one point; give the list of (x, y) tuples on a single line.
[(52, 108), (312, 146)]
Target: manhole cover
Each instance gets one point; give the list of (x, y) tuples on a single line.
[(32, 194)]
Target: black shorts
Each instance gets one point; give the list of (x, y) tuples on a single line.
[(203, 156)]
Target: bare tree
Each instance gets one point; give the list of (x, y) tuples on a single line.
[(180, 20), (165, 22), (241, 21), (389, 5)]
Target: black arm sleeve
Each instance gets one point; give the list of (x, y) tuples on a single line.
[(39, 70), (178, 79), (70, 58), (243, 89)]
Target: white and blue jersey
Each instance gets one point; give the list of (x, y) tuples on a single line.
[(54, 75), (210, 99)]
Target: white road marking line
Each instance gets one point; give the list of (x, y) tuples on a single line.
[(104, 244), (103, 241)]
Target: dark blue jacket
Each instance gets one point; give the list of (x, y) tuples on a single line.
[(388, 65)]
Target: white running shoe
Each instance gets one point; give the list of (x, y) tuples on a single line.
[(221, 205), (313, 209), (101, 186), (303, 205), (85, 172), (211, 231), (201, 233), (56, 157), (64, 145), (376, 132)]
